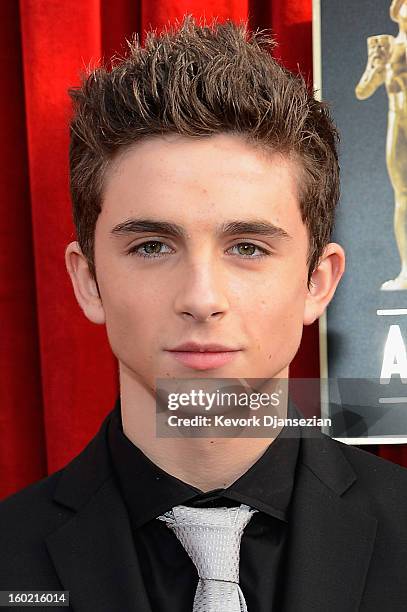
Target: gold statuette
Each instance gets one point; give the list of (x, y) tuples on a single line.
[(387, 65)]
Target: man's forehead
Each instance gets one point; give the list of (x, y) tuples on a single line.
[(230, 153), (140, 190)]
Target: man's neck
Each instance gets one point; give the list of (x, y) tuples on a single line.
[(205, 462)]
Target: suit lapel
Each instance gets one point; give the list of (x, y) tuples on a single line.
[(93, 552), (332, 533)]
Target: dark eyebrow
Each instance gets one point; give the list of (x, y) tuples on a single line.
[(230, 228), (140, 226), (263, 228)]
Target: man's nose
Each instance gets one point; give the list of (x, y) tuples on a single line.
[(202, 293)]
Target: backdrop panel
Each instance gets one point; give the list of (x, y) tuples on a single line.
[(366, 324)]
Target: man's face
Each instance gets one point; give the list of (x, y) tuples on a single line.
[(243, 288)]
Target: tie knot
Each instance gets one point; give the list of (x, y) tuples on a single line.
[(211, 537)]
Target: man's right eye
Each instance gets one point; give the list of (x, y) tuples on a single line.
[(152, 249)]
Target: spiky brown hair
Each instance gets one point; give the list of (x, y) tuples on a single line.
[(199, 80)]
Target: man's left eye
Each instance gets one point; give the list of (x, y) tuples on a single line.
[(247, 249)]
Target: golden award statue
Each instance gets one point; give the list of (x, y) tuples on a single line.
[(387, 65)]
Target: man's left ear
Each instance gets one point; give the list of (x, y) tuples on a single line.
[(324, 281)]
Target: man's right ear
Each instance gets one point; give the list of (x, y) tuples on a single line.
[(84, 285)]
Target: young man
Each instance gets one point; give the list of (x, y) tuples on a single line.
[(204, 182)]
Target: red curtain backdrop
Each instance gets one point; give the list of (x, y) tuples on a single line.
[(58, 378)]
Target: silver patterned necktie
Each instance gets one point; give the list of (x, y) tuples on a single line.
[(211, 537)]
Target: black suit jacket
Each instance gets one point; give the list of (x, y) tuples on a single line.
[(347, 548)]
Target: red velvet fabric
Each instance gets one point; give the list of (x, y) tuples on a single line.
[(58, 377), (22, 443)]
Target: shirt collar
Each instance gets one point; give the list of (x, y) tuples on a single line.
[(149, 491)]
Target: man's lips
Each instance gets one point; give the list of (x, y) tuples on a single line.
[(203, 347), (203, 356), (204, 360)]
